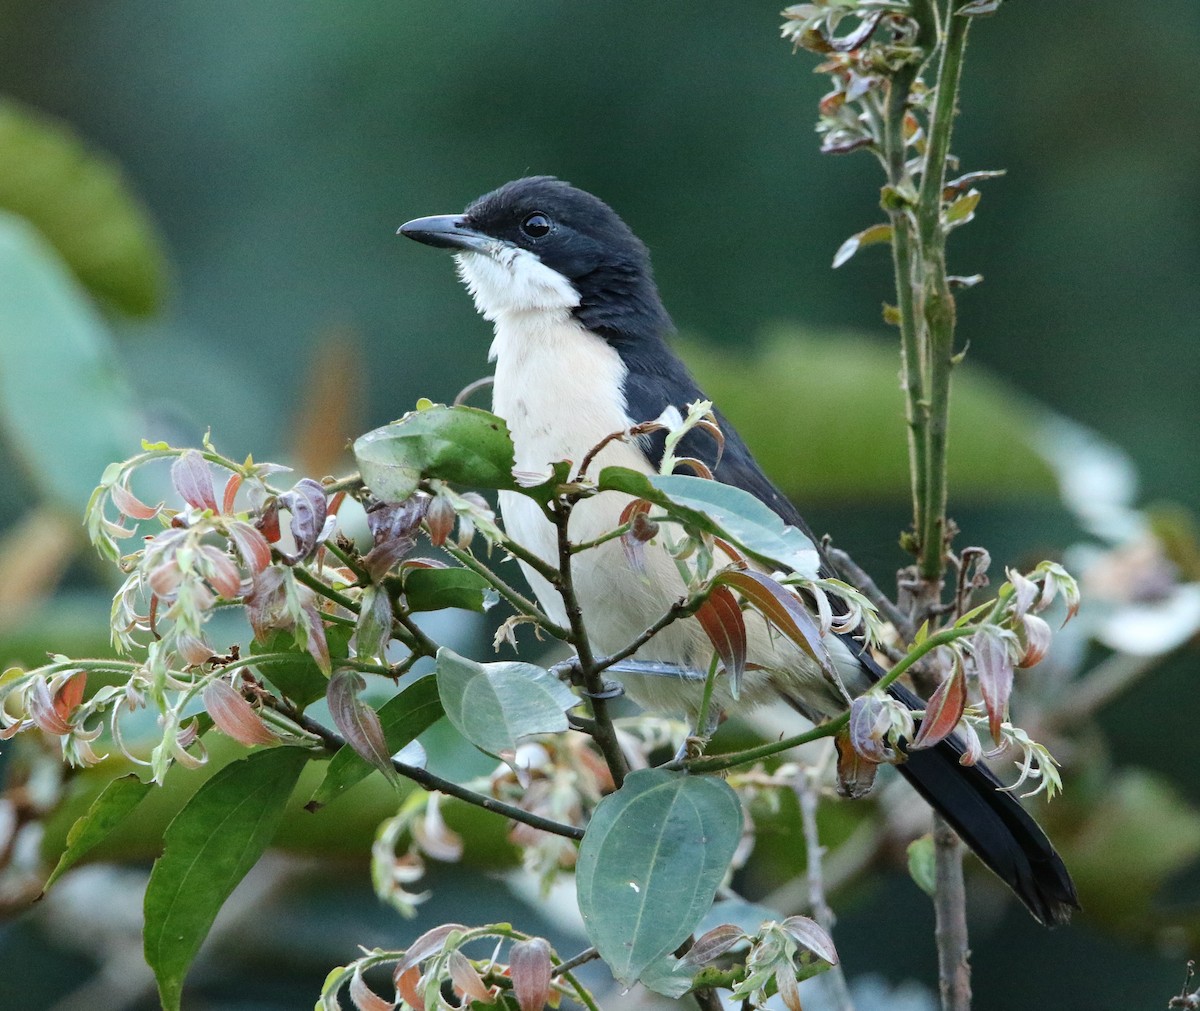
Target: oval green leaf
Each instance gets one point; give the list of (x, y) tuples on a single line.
[(494, 704), (434, 589), (462, 445), (650, 863), (403, 717), (208, 848), (111, 807), (725, 511)]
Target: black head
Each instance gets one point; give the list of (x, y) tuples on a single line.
[(571, 232)]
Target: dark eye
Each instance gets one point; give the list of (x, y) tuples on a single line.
[(536, 225)]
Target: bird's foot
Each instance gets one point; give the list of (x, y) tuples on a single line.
[(571, 671)]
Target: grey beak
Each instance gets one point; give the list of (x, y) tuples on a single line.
[(446, 231)]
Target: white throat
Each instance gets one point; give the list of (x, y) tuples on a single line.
[(507, 279)]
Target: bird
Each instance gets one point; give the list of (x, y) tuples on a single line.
[(580, 349)]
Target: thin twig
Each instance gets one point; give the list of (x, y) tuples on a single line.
[(680, 609), (587, 955), (471, 389), (334, 742), (716, 763), (806, 793), (856, 576)]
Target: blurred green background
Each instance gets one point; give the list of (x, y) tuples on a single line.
[(275, 147)]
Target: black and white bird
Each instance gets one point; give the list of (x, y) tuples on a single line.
[(580, 352)]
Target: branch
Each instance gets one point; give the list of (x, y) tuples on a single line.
[(333, 743), (603, 733), (950, 905), (680, 609)]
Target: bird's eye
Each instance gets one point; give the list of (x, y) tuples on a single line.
[(536, 225)]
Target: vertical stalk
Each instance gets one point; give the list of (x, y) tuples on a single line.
[(898, 207), (937, 324), (603, 732), (954, 966), (938, 302)]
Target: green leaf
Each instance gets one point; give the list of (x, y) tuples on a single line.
[(115, 802), (403, 717), (723, 510), (434, 589), (922, 864), (669, 976), (650, 863), (298, 677), (963, 209), (462, 445), (64, 405), (494, 704), (81, 203), (208, 848), (867, 237)]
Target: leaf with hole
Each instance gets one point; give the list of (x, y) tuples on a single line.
[(494, 705), (650, 863)]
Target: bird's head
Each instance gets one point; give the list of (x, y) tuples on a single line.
[(539, 245)]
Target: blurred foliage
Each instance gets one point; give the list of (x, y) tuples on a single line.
[(66, 409), (841, 393), (80, 202), (279, 147)]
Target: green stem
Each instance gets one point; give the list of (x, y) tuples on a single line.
[(706, 701), (319, 586), (612, 535), (938, 301), (716, 763), (519, 601), (912, 372)]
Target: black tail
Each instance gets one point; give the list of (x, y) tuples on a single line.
[(992, 823)]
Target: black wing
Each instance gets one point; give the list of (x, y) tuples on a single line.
[(991, 822)]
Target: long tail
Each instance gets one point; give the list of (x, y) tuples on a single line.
[(992, 823)]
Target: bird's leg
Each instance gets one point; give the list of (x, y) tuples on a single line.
[(569, 670), (693, 745)]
